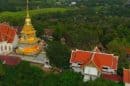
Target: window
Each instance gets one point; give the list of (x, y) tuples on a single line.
[(9, 48), (105, 67), (2, 48), (5, 47)]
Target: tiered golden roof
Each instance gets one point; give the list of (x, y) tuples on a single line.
[(28, 27), (28, 42)]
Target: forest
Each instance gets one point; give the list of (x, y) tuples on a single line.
[(90, 23)]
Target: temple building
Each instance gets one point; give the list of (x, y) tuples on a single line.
[(8, 39), (28, 43), (126, 77), (93, 63)]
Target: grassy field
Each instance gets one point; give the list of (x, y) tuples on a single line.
[(34, 12), (11, 16)]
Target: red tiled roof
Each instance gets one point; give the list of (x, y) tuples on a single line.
[(112, 77), (126, 75), (99, 59), (82, 57), (7, 33), (10, 60), (0, 37)]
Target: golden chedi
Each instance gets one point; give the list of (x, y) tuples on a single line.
[(28, 42)]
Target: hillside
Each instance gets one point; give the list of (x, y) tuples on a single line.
[(15, 18), (89, 23), (16, 5)]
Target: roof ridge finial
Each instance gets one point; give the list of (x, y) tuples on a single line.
[(96, 49)]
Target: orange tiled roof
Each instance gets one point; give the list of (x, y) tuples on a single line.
[(99, 59), (7, 33), (126, 75), (82, 57), (0, 37), (102, 59)]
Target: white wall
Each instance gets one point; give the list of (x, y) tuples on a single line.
[(127, 84), (76, 67), (91, 71), (86, 78), (15, 41)]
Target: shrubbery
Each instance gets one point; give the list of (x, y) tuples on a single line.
[(26, 75)]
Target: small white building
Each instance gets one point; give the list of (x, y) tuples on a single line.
[(92, 64), (73, 3), (126, 77)]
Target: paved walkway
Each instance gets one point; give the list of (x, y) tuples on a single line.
[(39, 59)]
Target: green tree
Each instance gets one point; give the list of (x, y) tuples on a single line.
[(102, 82), (118, 46), (2, 71), (69, 78), (58, 54), (83, 38)]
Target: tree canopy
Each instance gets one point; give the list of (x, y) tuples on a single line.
[(58, 54)]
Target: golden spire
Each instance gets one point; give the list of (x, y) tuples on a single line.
[(27, 10), (28, 19)]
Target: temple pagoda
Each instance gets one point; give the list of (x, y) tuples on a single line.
[(28, 44)]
